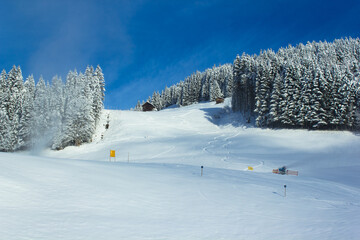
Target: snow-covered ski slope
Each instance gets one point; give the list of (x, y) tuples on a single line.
[(155, 190)]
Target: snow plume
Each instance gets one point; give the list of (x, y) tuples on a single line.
[(40, 143), (50, 115)]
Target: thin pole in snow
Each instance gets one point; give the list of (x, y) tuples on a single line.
[(202, 168), (284, 190)]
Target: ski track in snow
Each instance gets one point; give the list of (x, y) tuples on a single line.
[(162, 153)]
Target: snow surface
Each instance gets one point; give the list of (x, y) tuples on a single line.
[(155, 190)]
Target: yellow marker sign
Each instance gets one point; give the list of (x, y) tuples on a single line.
[(112, 153), (250, 168)]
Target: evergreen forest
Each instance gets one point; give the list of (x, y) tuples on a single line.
[(312, 86), (52, 115)]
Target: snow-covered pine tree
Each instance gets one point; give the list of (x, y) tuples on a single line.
[(236, 98), (16, 84), (285, 99), (156, 100), (205, 86), (27, 114), (186, 94), (167, 97), (215, 91), (318, 119), (228, 83), (5, 128), (179, 93), (138, 107), (357, 102), (336, 93), (275, 110), (349, 97), (92, 80), (176, 94), (56, 107), (304, 113), (64, 137), (85, 117), (40, 137), (263, 92), (68, 134), (244, 73), (95, 92), (296, 86), (99, 93), (195, 87), (5, 123)]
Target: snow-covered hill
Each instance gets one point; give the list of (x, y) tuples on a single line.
[(155, 190)]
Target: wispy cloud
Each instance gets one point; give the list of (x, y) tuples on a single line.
[(78, 33)]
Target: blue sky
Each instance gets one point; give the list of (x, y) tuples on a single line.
[(143, 46)]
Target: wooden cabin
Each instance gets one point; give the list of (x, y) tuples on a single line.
[(219, 100), (146, 107)]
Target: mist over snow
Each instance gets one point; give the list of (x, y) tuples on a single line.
[(154, 189)]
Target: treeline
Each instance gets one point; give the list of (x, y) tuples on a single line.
[(49, 115), (312, 86), (200, 86)]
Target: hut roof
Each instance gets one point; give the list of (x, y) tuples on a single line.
[(148, 107), (219, 100)]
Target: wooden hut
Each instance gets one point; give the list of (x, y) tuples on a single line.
[(219, 100), (146, 107)]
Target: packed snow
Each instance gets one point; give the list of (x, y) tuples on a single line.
[(153, 188)]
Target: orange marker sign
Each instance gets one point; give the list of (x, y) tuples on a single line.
[(112, 153)]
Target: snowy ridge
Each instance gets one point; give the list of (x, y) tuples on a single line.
[(76, 193)]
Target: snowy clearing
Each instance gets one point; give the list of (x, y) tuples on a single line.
[(77, 193)]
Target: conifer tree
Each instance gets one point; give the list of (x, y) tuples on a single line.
[(27, 114), (15, 82), (215, 91), (5, 123), (275, 109), (236, 99), (99, 93), (40, 129)]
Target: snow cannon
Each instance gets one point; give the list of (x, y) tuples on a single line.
[(284, 171)]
